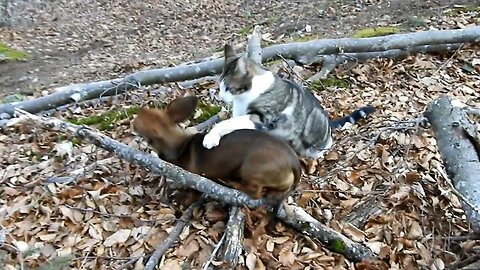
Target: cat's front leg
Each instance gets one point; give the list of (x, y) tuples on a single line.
[(221, 129)]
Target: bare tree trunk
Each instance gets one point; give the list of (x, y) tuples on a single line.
[(459, 145)]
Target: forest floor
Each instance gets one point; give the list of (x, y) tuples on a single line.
[(116, 211)]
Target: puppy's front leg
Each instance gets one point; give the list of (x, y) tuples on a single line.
[(221, 129)]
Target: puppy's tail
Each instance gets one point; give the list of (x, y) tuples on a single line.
[(352, 118)]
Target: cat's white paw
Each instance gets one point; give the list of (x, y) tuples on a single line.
[(211, 140)]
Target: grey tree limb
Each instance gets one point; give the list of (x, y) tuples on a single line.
[(86, 91), (293, 215), (459, 146), (330, 62), (302, 52), (306, 52)]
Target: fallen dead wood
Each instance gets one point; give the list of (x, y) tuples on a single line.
[(459, 145), (302, 52), (330, 62), (307, 52), (232, 246), (292, 215), (176, 231)]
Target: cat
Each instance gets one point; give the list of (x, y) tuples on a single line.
[(262, 100)]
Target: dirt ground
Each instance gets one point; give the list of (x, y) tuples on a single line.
[(81, 41)]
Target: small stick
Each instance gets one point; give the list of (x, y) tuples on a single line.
[(214, 252), (177, 230), (77, 173)]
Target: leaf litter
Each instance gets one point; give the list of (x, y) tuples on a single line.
[(117, 211)]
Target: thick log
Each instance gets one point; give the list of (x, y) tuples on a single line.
[(459, 145)]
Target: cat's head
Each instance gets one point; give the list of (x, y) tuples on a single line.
[(237, 74)]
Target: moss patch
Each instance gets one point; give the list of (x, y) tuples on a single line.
[(375, 32), (245, 30), (57, 263), (416, 21), (337, 246), (322, 84), (11, 54), (208, 110), (106, 120), (12, 98)]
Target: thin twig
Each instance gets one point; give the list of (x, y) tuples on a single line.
[(210, 121), (214, 252), (177, 230), (74, 175), (474, 111)]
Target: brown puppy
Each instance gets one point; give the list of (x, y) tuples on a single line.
[(247, 160)]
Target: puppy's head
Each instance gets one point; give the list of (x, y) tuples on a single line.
[(160, 127)]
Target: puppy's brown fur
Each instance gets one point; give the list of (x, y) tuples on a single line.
[(248, 160)]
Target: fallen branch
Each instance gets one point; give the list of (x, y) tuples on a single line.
[(301, 52), (307, 52), (176, 231), (190, 83), (458, 145), (210, 121), (330, 62), (232, 247), (306, 224), (296, 217)]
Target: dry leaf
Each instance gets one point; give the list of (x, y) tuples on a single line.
[(187, 251), (118, 237)]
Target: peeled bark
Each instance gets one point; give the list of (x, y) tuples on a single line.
[(458, 143)]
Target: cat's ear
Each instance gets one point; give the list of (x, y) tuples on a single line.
[(229, 51), (181, 109)]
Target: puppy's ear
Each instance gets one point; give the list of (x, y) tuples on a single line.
[(229, 51), (181, 109)]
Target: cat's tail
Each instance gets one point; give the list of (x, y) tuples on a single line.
[(352, 118)]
